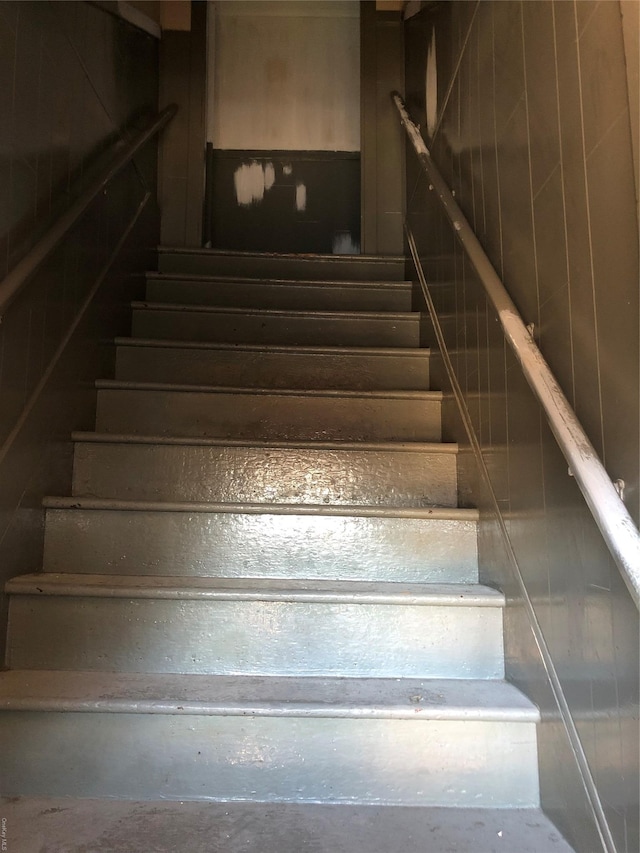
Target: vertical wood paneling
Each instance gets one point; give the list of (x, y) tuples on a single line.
[(183, 64), (382, 149), (551, 158), (73, 80), (368, 139), (631, 33)]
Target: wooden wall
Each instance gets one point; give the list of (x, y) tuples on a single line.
[(382, 143), (183, 62)]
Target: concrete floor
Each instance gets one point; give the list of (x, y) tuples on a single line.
[(30, 825)]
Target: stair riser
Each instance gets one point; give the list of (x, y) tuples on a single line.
[(405, 762), (264, 369), (288, 329), (246, 474), (302, 297), (299, 268), (255, 637), (261, 546), (267, 417)]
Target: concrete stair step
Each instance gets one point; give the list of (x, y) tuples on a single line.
[(280, 293), (267, 413), (230, 827), (231, 626), (156, 468), (270, 326), (268, 576), (290, 266), (309, 739), (260, 540), (270, 366)]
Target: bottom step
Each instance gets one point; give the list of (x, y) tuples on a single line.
[(426, 742), (66, 826)]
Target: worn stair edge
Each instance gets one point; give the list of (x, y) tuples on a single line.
[(306, 256), (250, 589), (445, 448), (201, 278), (120, 385), (113, 504), (488, 700), (377, 352), (289, 313)]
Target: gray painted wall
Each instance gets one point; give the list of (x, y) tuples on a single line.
[(73, 80), (285, 76), (183, 57), (382, 71), (534, 134), (631, 32)]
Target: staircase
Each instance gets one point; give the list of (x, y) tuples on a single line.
[(261, 589)]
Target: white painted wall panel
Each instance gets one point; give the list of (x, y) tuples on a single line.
[(286, 76)]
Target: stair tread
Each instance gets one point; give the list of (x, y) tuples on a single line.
[(454, 699), (123, 385), (190, 308), (252, 589), (159, 343), (133, 438), (278, 282), (73, 503)]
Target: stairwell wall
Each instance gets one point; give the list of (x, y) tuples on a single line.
[(75, 81), (382, 200), (183, 73), (528, 119)]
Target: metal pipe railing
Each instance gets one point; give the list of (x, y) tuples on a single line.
[(616, 525), (20, 275)]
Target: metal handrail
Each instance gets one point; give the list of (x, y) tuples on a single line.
[(612, 517), (20, 275)]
